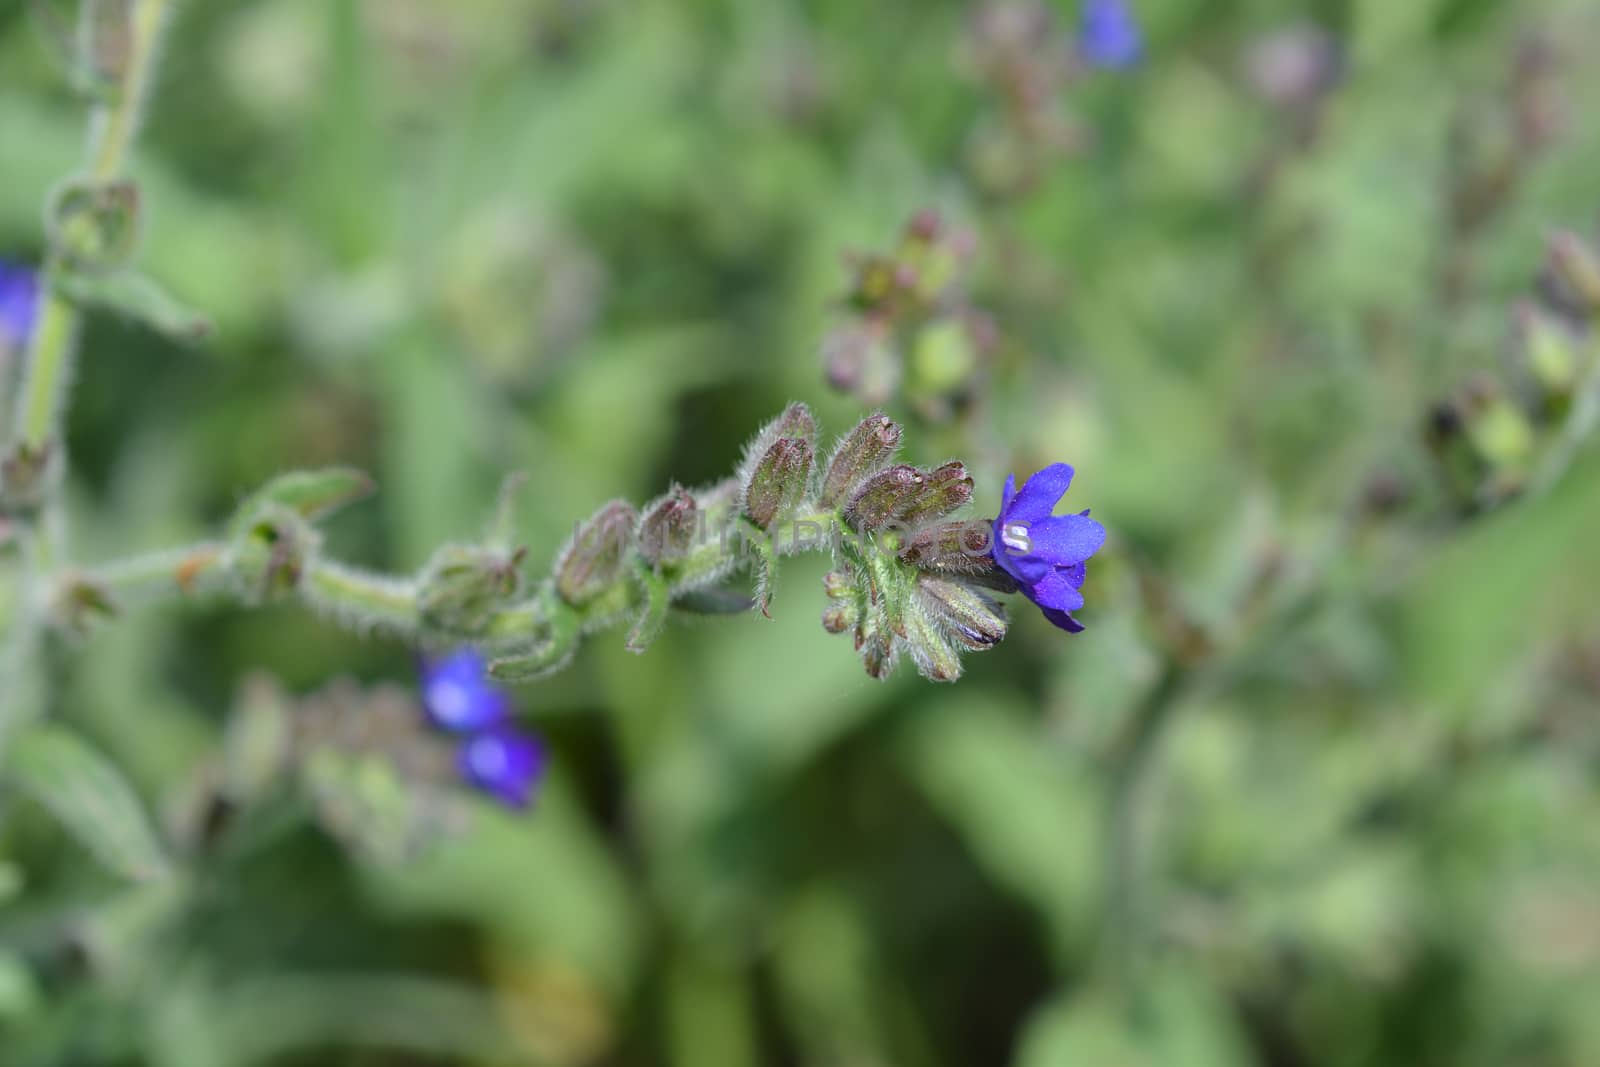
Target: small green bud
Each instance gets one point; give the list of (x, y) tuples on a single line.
[(837, 618), (464, 585), (881, 496), (966, 614), (863, 451), (269, 557), (837, 585), (597, 555), (79, 603), (1575, 266), (1551, 352), (944, 489), (779, 482), (26, 472), (670, 527), (258, 741), (94, 225), (930, 651)]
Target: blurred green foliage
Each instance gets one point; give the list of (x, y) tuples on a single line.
[(1318, 785)]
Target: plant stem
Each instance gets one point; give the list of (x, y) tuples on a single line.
[(111, 131), (1126, 883)]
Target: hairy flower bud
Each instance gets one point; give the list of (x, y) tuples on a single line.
[(864, 450), (597, 554), (464, 585), (669, 527), (966, 614), (943, 490), (837, 618), (796, 421), (1576, 268), (881, 496), (778, 483), (952, 548), (1552, 355)]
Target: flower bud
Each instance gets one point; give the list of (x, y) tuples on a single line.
[(796, 421), (930, 651), (778, 484), (669, 527), (943, 490), (79, 603), (94, 225), (837, 585), (597, 554), (1551, 352), (464, 585), (966, 614), (952, 548), (863, 451), (837, 618), (270, 555), (882, 496), (1575, 267), (26, 472)]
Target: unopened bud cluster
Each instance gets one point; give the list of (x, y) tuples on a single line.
[(1488, 437), (910, 328)]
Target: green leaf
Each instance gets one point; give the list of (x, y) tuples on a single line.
[(311, 494), (90, 797), (139, 297)]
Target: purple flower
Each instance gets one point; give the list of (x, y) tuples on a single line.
[(1045, 553), (1109, 36), (504, 763), (19, 304), (458, 695)]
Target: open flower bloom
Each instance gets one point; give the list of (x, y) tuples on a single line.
[(1045, 553), (504, 763), (458, 695), (19, 305), (1109, 36)]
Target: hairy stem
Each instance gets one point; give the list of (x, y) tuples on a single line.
[(112, 129)]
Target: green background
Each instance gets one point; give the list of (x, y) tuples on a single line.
[(601, 243)]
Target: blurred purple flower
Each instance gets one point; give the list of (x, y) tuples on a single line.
[(1109, 35), (504, 763), (458, 695), (1045, 553), (19, 304)]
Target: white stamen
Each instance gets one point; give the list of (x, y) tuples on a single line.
[(1014, 535)]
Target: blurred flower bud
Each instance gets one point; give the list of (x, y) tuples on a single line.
[(26, 471), (269, 557), (464, 585), (943, 490), (864, 450), (779, 482), (882, 495), (597, 554), (258, 741), (1551, 352), (670, 527), (944, 359), (94, 225), (1293, 67), (1497, 428), (1575, 268), (80, 602)]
